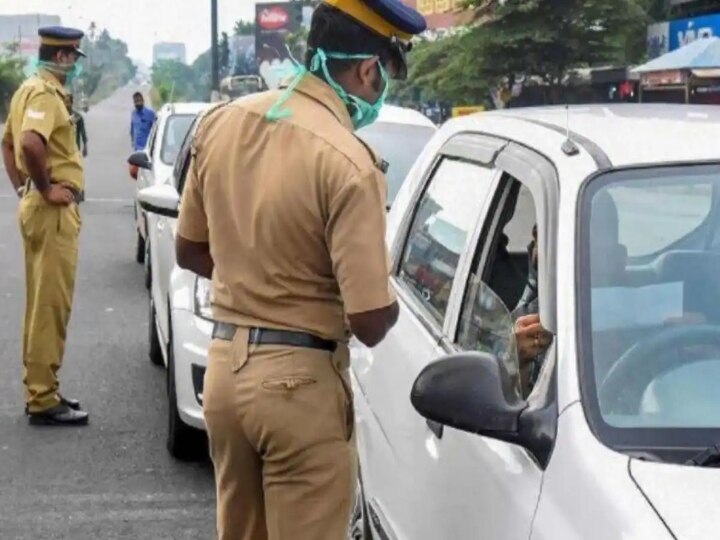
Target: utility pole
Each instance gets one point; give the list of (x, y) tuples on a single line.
[(215, 75)]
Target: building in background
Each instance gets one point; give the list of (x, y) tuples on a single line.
[(169, 51), (689, 20), (23, 30)]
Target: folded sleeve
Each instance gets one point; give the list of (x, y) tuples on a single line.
[(355, 236)]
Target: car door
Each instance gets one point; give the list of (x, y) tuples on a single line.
[(146, 178), (486, 488), (165, 244), (429, 264)]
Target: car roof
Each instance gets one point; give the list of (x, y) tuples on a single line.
[(626, 134), (393, 114), (184, 108)]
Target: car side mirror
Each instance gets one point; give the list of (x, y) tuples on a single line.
[(161, 199), (140, 160), (471, 392)]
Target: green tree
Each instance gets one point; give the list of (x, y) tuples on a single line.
[(244, 28), (107, 66), (11, 75)]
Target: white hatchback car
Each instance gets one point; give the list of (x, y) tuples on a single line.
[(155, 164), (612, 432), (180, 315)]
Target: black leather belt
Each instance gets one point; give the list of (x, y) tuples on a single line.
[(78, 195), (265, 336)]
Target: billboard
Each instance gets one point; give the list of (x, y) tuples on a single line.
[(669, 36), (277, 26)]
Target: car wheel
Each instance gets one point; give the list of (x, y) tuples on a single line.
[(184, 443), (359, 525), (155, 350), (148, 266), (139, 249)]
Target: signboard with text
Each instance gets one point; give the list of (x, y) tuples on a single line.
[(669, 36)]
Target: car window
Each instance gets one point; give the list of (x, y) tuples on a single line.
[(399, 145), (503, 285), (183, 154), (176, 128), (443, 219), (643, 231), (152, 138), (649, 329)]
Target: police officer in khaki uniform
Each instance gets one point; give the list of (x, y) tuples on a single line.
[(284, 208), (44, 165)]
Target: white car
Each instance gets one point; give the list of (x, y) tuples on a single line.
[(614, 431), (155, 164), (180, 314)]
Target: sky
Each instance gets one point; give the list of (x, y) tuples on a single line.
[(141, 23)]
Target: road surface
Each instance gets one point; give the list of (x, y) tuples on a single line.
[(113, 479)]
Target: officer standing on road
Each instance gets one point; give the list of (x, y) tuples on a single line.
[(44, 165), (284, 208)]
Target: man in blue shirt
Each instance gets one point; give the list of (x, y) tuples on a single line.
[(141, 122)]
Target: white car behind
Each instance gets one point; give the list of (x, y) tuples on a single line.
[(180, 315)]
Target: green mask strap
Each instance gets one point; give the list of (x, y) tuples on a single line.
[(277, 112)]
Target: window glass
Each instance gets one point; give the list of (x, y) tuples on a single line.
[(151, 138), (444, 218), (644, 230), (183, 160), (492, 308), (399, 145), (175, 130), (651, 325)]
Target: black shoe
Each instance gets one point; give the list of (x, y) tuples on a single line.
[(72, 403), (60, 415)]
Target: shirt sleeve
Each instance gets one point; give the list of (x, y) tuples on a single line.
[(41, 115), (7, 131), (192, 223), (355, 236)]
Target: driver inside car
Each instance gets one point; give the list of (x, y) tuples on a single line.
[(532, 339)]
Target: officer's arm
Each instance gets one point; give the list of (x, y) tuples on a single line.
[(38, 124), (192, 247), (8, 152), (355, 236)]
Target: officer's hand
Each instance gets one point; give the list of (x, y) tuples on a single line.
[(58, 195), (532, 338)]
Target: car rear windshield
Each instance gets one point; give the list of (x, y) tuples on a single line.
[(399, 145), (175, 131)]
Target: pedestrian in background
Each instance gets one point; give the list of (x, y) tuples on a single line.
[(141, 122), (285, 208), (45, 168), (79, 122)]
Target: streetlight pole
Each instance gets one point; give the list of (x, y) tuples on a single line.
[(215, 75)]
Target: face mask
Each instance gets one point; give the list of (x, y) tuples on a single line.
[(139, 108), (70, 71), (362, 113)]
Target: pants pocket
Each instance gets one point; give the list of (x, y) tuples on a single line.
[(281, 384)]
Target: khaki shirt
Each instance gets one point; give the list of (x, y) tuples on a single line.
[(39, 106), (294, 212)]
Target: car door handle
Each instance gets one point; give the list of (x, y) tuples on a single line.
[(437, 429)]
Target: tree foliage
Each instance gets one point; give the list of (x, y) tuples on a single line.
[(539, 39), (107, 66), (11, 75), (244, 28)]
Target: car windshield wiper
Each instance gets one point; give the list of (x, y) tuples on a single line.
[(707, 458)]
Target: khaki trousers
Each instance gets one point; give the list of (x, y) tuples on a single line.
[(50, 239), (281, 429)]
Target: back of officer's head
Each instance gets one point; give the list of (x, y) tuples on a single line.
[(335, 32)]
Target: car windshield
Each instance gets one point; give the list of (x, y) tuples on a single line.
[(399, 145), (650, 304), (175, 131)]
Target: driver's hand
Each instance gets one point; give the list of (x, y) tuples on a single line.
[(532, 339)]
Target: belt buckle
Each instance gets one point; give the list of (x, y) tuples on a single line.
[(254, 336)]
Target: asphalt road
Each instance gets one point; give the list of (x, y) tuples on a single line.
[(113, 479)]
